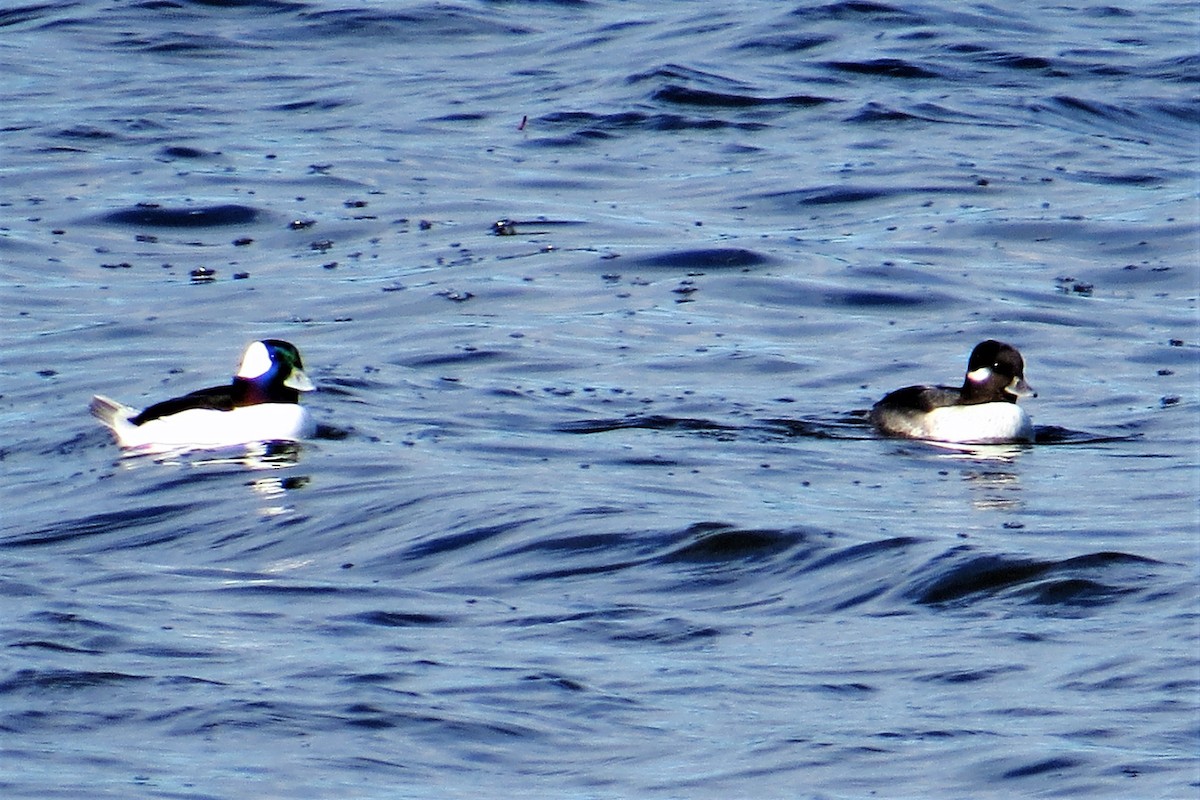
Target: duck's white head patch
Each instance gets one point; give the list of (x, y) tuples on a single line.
[(255, 363), (980, 375)]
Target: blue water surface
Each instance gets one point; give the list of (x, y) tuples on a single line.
[(595, 295)]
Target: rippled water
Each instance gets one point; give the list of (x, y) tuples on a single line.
[(595, 294)]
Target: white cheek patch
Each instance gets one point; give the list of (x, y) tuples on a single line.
[(256, 362), (980, 375)]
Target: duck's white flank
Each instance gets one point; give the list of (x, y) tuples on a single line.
[(1004, 422), (204, 428)]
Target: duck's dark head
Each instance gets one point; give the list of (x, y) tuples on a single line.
[(995, 372), (271, 372)]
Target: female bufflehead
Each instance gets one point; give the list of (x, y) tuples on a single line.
[(260, 405), (984, 410)]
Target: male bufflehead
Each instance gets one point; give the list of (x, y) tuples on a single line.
[(261, 404), (984, 410)]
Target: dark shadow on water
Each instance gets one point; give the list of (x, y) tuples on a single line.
[(332, 433), (654, 422), (962, 575), (153, 215), (712, 258), (851, 425), (824, 571), (1053, 434)]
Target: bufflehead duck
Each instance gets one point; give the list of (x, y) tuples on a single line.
[(261, 404), (984, 410)]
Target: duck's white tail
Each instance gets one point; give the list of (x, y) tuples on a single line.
[(109, 411)]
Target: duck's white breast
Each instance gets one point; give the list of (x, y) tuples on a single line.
[(984, 422)]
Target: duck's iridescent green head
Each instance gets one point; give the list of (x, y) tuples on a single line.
[(274, 363)]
